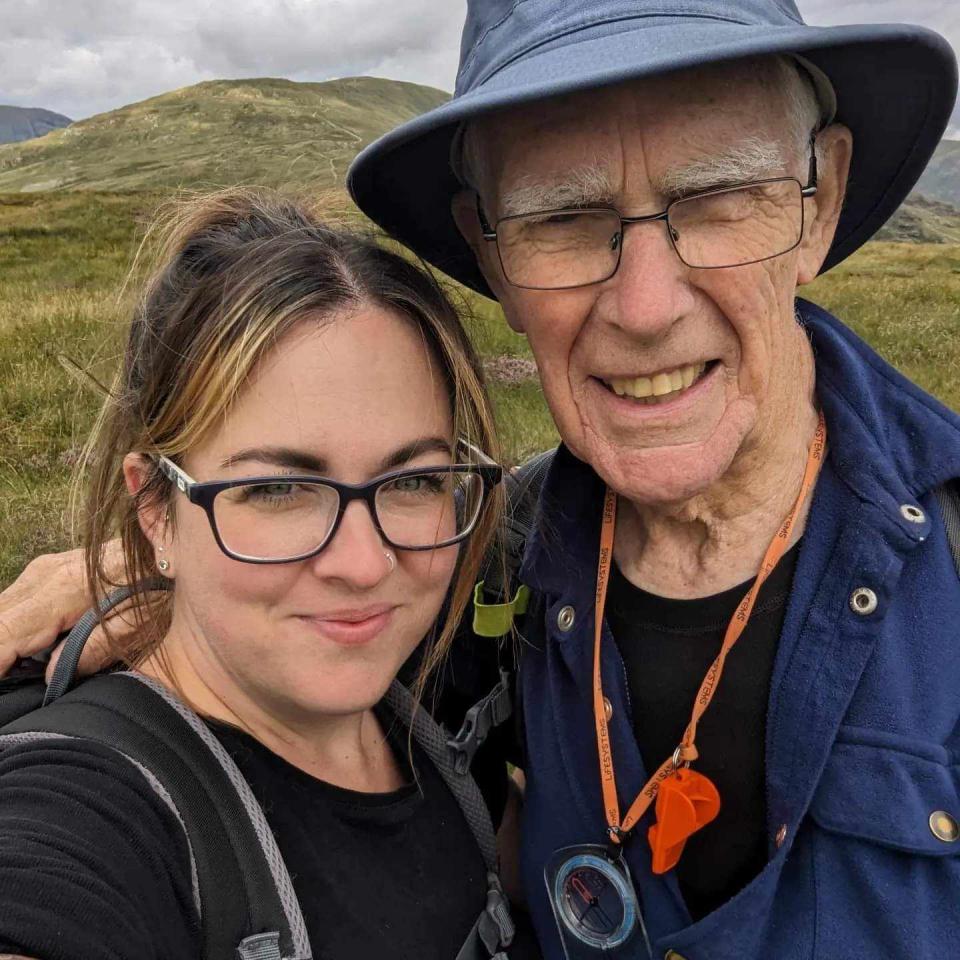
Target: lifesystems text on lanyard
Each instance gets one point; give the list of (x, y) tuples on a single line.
[(686, 800)]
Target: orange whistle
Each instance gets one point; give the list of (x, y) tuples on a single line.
[(686, 801)]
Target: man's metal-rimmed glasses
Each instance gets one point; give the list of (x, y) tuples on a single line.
[(725, 227), (285, 517)]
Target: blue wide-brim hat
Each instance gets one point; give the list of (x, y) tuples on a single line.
[(895, 87)]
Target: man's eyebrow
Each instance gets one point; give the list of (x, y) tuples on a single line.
[(750, 159), (302, 460), (577, 187)]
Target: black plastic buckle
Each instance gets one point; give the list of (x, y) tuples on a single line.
[(496, 926), (480, 719)]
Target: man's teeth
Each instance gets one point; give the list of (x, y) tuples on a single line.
[(651, 389)]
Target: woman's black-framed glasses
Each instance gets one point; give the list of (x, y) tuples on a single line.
[(714, 229), (284, 518)]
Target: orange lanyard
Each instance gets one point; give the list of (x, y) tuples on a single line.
[(687, 750)]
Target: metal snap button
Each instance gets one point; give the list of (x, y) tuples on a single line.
[(781, 836), (863, 601), (565, 618), (673, 955), (912, 513), (607, 709), (944, 827)]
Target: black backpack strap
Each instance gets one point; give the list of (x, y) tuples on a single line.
[(64, 673), (495, 708), (494, 929), (499, 596), (248, 909), (948, 498)]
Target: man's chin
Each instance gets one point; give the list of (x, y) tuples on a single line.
[(667, 474)]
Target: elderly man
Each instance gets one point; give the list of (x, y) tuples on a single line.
[(739, 683), (720, 764)]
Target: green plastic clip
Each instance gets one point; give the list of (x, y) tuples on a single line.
[(496, 619)]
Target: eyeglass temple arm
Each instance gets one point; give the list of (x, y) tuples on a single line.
[(813, 174), (486, 231), (480, 457), (173, 473)]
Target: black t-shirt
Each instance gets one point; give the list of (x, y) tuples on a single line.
[(94, 867), (667, 646)]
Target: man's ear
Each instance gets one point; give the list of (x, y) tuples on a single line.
[(463, 206), (822, 211), (153, 514)]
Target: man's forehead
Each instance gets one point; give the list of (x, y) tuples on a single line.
[(661, 123)]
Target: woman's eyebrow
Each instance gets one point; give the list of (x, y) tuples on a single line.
[(416, 449), (278, 457), (301, 460)]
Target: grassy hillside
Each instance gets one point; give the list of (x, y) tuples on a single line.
[(270, 132), (63, 257)]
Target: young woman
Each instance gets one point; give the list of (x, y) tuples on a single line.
[(293, 442)]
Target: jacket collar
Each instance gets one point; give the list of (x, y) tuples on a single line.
[(889, 442)]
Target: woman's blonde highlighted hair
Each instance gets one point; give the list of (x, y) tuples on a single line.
[(236, 271)]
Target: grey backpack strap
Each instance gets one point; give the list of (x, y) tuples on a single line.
[(948, 499), (261, 946), (494, 927)]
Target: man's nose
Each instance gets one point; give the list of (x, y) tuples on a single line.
[(357, 554), (650, 290)]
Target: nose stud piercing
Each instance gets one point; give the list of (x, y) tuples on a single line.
[(391, 559)]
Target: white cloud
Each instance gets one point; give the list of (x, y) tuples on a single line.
[(81, 57), (84, 56)]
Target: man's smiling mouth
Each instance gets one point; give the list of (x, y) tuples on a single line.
[(659, 387)]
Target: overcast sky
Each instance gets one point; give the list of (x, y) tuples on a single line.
[(81, 57)]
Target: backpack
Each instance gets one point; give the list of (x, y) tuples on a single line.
[(242, 892)]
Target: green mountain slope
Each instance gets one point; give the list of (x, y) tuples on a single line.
[(921, 220), (268, 132), (941, 179)]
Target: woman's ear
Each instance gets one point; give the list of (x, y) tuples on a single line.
[(153, 515), (822, 211)]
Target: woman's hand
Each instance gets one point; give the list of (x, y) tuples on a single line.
[(47, 599)]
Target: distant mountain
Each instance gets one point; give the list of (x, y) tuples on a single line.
[(921, 220), (267, 132), (941, 179), (25, 123)]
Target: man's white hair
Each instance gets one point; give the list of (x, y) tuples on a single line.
[(752, 158)]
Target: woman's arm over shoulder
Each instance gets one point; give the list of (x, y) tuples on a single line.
[(92, 862)]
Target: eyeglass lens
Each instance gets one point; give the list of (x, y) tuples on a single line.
[(286, 519), (724, 228)]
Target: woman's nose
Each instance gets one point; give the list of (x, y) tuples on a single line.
[(357, 554)]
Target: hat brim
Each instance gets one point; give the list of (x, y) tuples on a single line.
[(895, 85)]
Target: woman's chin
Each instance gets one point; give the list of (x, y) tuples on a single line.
[(333, 692)]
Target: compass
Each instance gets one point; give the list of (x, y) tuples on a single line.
[(595, 900)]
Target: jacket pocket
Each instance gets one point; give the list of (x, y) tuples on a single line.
[(886, 884), (885, 789)]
